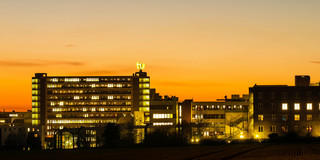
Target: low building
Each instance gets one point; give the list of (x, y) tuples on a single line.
[(282, 109)]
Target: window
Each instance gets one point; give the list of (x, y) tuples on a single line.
[(272, 95), (284, 95), (273, 129), (273, 106), (260, 95), (309, 128), (76, 97), (273, 117), (284, 128), (260, 106), (296, 95), (260, 129), (297, 106), (61, 103), (309, 117), (110, 97), (296, 128), (260, 117), (309, 106), (309, 94), (297, 117), (95, 97), (284, 106), (284, 117)]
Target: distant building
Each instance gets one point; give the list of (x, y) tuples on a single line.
[(15, 124), (163, 111), (221, 119), (281, 109), (89, 101)]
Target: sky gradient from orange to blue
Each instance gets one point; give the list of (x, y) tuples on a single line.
[(192, 49)]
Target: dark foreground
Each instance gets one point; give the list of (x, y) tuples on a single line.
[(240, 151)]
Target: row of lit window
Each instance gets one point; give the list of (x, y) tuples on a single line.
[(94, 97), (85, 79), (128, 91), (285, 117), (273, 128), (109, 85), (297, 106), (217, 107), (162, 116), (81, 121), (118, 109), (89, 103), (162, 123), (87, 115)]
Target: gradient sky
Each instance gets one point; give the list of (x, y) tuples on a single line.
[(201, 49)]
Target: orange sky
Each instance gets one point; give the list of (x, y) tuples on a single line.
[(192, 49)]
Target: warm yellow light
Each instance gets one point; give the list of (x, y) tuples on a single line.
[(192, 140), (197, 140), (257, 136), (241, 133), (141, 65), (241, 136)]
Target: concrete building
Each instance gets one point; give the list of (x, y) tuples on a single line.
[(163, 111), (221, 119), (281, 109), (89, 101)]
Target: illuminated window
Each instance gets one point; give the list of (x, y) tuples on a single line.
[(260, 117), (309, 128), (284, 128), (180, 111), (284, 117), (54, 80), (144, 103), (95, 97), (86, 115), (102, 109), (144, 79), (35, 104), (110, 85), (35, 92), (93, 109), (52, 103), (309, 106), (297, 117), (110, 97), (84, 109), (297, 106), (284, 106), (146, 85), (119, 85), (145, 97), (260, 129), (35, 116), (58, 115), (35, 80), (92, 79), (72, 79), (35, 86), (61, 103), (309, 117), (76, 97), (35, 98), (273, 117)]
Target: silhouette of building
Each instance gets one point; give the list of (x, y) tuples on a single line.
[(89, 101), (281, 109), (16, 124)]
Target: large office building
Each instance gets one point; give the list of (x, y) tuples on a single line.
[(89, 101), (282, 109)]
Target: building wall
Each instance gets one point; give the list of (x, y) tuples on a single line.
[(276, 110)]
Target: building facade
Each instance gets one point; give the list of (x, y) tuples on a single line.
[(282, 109), (88, 101)]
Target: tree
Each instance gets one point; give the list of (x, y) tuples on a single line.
[(111, 134)]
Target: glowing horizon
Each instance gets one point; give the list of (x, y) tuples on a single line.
[(201, 50)]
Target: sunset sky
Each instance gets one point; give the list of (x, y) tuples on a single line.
[(200, 49)]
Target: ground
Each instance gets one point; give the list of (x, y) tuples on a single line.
[(223, 152)]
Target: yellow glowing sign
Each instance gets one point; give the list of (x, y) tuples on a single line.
[(141, 65)]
